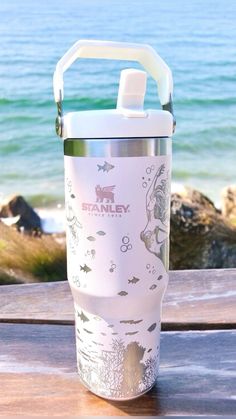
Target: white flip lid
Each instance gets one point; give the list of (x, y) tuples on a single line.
[(129, 119)]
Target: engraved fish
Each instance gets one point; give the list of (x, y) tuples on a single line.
[(85, 268), (84, 353), (153, 287), (122, 293), (92, 360), (134, 280), (114, 333), (106, 167), (103, 334), (159, 277), (152, 327), (149, 350), (131, 333), (91, 238), (88, 331), (87, 357), (111, 325), (83, 317), (130, 321), (101, 233), (97, 343)]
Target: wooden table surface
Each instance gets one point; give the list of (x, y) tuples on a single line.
[(198, 351)]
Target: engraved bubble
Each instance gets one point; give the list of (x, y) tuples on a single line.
[(148, 170), (144, 184), (125, 240)]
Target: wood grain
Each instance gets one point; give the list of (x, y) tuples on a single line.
[(194, 299), (38, 375)]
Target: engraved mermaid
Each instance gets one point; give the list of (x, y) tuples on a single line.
[(155, 233), (73, 223)]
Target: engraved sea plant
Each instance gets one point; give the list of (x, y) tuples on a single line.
[(150, 373), (119, 372), (111, 368)]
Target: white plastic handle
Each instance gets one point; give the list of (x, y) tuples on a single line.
[(144, 54)]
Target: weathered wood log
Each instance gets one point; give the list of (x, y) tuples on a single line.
[(200, 237)]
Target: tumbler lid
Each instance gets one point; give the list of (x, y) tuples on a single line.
[(129, 119)]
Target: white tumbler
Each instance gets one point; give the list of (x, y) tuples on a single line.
[(117, 198)]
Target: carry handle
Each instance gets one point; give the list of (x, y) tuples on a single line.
[(144, 54)]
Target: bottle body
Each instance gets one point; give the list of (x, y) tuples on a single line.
[(117, 194)]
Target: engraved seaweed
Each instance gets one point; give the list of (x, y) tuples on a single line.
[(150, 372), (118, 372)]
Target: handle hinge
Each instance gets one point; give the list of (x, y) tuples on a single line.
[(59, 118)]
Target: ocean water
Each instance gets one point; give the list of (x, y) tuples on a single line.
[(196, 38)]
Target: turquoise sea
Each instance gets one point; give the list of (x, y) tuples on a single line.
[(196, 38)]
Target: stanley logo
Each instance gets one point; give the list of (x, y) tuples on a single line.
[(105, 202)]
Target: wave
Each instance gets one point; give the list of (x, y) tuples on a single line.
[(87, 102), (46, 200), (206, 101), (9, 148), (81, 103)]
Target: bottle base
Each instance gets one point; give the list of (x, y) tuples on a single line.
[(118, 399)]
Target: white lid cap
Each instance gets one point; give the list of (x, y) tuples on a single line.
[(132, 89), (129, 119)]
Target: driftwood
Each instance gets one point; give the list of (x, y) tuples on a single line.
[(228, 197), (24, 216), (201, 237)]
